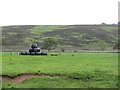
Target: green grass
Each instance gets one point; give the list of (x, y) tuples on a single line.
[(28, 40), (46, 28), (12, 33), (92, 69), (58, 82)]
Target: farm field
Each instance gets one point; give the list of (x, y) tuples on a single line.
[(66, 70)]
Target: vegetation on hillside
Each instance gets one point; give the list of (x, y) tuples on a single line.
[(85, 37), (49, 44)]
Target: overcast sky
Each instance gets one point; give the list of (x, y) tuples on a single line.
[(119, 11), (58, 12)]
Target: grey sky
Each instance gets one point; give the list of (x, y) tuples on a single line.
[(59, 12), (119, 11)]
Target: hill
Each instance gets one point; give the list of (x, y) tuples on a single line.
[(85, 37)]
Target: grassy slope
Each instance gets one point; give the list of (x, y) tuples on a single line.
[(45, 28), (100, 68), (75, 35)]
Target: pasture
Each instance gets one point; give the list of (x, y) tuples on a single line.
[(66, 70)]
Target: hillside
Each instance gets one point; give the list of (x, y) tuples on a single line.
[(85, 37)]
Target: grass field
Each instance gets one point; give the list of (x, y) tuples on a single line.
[(74, 70)]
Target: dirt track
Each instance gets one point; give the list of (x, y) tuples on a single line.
[(22, 77)]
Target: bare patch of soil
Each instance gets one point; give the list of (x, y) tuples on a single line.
[(22, 77)]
